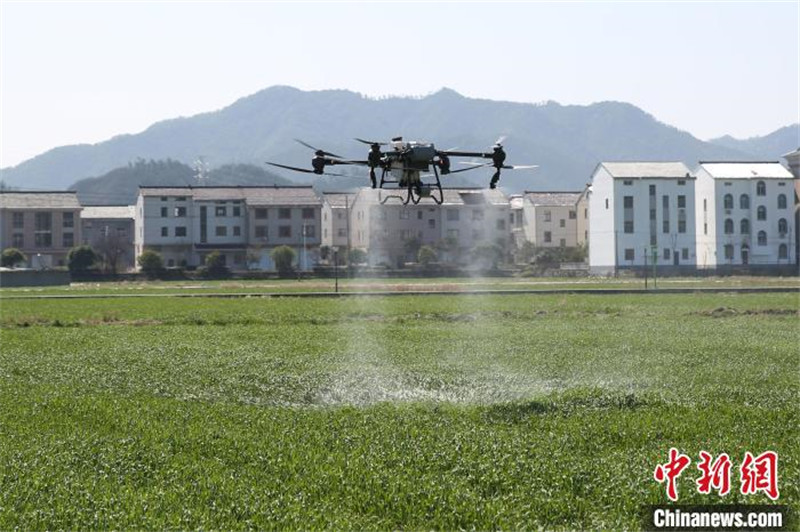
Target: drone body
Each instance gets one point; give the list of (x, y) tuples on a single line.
[(404, 165)]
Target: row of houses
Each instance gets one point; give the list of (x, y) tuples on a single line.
[(631, 214)]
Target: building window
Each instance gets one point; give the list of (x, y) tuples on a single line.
[(744, 226), (606, 203), (43, 240), (68, 240), (628, 227), (310, 231), (419, 215), (728, 201), (627, 182), (685, 253), (17, 220), (165, 231), (562, 222), (237, 230), (221, 230), (782, 227), (783, 251), (761, 213), (342, 232), (705, 205), (452, 234), (18, 240), (180, 231), (285, 231), (477, 215), (548, 237), (744, 201), (284, 213), (627, 202), (164, 212), (501, 224), (68, 219), (220, 211), (547, 216), (761, 189), (665, 225), (562, 242), (781, 201), (237, 211), (681, 182), (629, 254), (705, 228), (666, 253), (682, 220), (404, 214), (573, 215), (728, 251), (122, 232), (261, 231), (728, 226), (452, 215), (43, 221), (180, 198), (682, 202), (308, 213), (180, 212), (163, 198), (431, 223), (261, 214), (762, 238)]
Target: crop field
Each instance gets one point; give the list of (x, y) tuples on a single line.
[(438, 412)]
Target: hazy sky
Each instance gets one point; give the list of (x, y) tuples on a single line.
[(76, 72)]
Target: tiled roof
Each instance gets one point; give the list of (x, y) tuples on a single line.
[(39, 200), (109, 212), (553, 198), (269, 195), (647, 170), (746, 170)]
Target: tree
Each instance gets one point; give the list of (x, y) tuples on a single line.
[(150, 262), (357, 256), (283, 257), (487, 255), (411, 246), (11, 257), (215, 265), (81, 258), (426, 255), (110, 247)]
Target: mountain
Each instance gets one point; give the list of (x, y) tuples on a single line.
[(566, 142), (121, 185), (769, 147)]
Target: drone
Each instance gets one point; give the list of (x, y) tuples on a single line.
[(405, 166)]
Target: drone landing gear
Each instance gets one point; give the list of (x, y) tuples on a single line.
[(415, 190)]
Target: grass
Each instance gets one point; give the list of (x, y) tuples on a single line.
[(512, 412), (405, 285)]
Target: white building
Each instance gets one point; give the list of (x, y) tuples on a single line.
[(640, 212), (110, 230), (745, 214), (243, 223), (336, 208), (391, 231), (550, 219)]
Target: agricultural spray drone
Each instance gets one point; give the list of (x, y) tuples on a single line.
[(405, 165)]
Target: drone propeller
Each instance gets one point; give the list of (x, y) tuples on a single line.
[(317, 150), (470, 168), (372, 142), (304, 170)]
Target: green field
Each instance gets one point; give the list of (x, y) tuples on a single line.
[(435, 412)]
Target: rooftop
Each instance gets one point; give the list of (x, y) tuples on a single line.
[(339, 199), (746, 170), (564, 199), (15, 199), (122, 212), (253, 195), (647, 170)]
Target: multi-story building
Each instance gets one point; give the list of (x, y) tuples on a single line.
[(43, 225), (550, 219), (109, 229), (745, 214), (640, 212), (242, 223), (336, 209), (392, 232)]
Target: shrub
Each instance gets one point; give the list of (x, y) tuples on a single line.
[(81, 258), (11, 257), (357, 256), (150, 262), (283, 257), (215, 265), (426, 255)]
